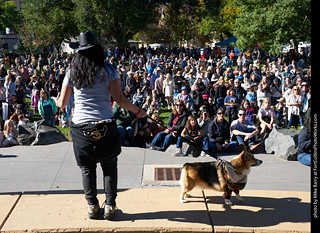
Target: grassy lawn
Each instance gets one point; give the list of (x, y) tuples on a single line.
[(165, 113)]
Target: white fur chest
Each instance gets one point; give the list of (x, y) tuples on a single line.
[(246, 172)]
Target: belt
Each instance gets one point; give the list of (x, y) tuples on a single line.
[(106, 121)]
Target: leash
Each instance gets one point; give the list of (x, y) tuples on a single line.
[(194, 144), (156, 121), (190, 142), (208, 211)]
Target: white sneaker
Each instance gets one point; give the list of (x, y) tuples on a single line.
[(178, 153), (93, 211), (109, 212)]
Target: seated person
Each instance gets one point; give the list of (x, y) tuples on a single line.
[(15, 115), (245, 132), (249, 110), (219, 133), (304, 144), (138, 97), (22, 120), (194, 133), (156, 125), (143, 132), (204, 121), (266, 117), (175, 125), (63, 118), (10, 134), (124, 119)]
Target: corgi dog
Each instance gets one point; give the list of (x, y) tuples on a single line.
[(228, 177)]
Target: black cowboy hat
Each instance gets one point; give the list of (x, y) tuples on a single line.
[(86, 40)]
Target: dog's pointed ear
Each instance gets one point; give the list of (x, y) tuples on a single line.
[(243, 147)]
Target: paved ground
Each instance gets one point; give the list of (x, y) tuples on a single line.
[(41, 189)]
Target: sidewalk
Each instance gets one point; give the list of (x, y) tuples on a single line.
[(41, 191)]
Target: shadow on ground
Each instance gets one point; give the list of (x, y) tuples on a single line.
[(254, 212)]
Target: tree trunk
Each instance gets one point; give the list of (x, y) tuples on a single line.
[(122, 41)]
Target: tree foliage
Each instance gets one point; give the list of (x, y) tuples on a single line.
[(9, 16), (47, 22), (208, 20), (120, 19), (272, 23), (180, 18)]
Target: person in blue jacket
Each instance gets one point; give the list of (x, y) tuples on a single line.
[(304, 144)]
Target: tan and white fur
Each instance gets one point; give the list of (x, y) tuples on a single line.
[(219, 176)]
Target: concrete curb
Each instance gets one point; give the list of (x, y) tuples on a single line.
[(159, 210)]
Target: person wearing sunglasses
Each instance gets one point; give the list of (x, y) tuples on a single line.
[(245, 132), (176, 123), (219, 133)]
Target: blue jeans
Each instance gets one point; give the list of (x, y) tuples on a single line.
[(164, 140), (126, 134), (250, 142), (203, 142), (70, 104), (220, 102), (305, 159), (232, 145), (292, 119), (49, 119)]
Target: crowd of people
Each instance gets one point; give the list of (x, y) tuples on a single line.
[(217, 101)]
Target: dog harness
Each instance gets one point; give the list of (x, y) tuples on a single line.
[(234, 182)]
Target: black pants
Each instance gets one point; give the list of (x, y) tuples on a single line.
[(231, 114), (110, 179), (103, 147)]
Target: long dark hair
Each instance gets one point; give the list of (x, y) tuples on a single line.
[(189, 127), (87, 63)]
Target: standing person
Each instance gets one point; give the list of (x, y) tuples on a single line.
[(168, 90), (231, 102), (158, 86), (47, 108), (276, 91), (10, 87), (94, 132), (295, 101), (52, 86), (221, 93)]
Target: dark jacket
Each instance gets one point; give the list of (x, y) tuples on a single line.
[(221, 92), (240, 93), (217, 133), (178, 80), (180, 123), (304, 142), (123, 116)]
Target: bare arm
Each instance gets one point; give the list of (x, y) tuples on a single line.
[(238, 133), (63, 97)]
